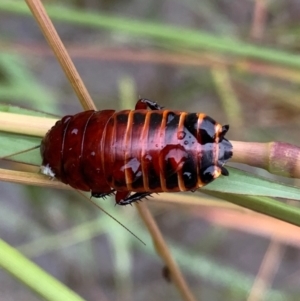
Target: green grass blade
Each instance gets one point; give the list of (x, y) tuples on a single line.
[(244, 183), (33, 276), (8, 108), (12, 143)]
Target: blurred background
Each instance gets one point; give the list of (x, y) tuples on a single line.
[(225, 253)]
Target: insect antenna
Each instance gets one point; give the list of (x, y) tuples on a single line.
[(99, 207), (21, 152)]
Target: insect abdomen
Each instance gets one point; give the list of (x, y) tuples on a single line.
[(160, 150), (72, 150)]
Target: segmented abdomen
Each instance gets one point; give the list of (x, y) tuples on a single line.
[(162, 150), (136, 150), (72, 148)]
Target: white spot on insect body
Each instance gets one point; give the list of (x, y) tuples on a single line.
[(74, 132), (46, 170)]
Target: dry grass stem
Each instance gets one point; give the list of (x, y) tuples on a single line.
[(278, 158), (25, 124), (259, 20), (252, 222), (60, 52), (267, 271), (30, 178), (164, 252)]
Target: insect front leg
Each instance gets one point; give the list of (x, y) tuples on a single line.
[(124, 197), (143, 104), (102, 194)]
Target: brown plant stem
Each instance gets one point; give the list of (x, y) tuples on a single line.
[(267, 271), (164, 252), (30, 178), (278, 158), (259, 20), (60, 52), (25, 124)]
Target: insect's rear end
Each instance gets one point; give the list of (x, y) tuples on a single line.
[(142, 151)]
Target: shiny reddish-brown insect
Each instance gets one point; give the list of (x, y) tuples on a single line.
[(141, 151)]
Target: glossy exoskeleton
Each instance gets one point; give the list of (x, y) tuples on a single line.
[(142, 151)]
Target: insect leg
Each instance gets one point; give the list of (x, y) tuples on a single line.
[(102, 194), (144, 104), (128, 199), (224, 171)]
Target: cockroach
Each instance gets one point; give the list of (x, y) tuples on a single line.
[(142, 151)]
